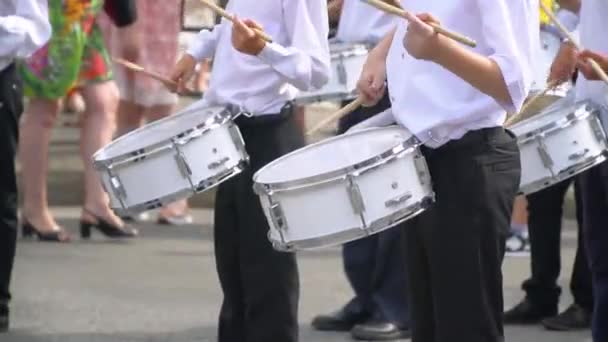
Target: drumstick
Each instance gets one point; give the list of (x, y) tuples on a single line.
[(217, 9), (336, 116), (141, 69), (530, 102), (596, 67), (402, 13)]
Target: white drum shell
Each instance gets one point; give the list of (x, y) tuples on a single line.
[(346, 65), (171, 169), (559, 144), (322, 214)]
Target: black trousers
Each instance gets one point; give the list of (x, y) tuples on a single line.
[(594, 194), (456, 247), (260, 285), (11, 106), (545, 225), (374, 265)]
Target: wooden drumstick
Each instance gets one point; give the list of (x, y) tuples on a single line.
[(220, 11), (402, 13), (596, 67), (336, 116), (530, 102), (139, 68)]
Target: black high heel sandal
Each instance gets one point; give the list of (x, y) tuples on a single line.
[(29, 231), (106, 228)]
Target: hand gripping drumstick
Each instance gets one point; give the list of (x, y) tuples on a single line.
[(402, 13), (530, 102), (596, 67), (336, 116), (217, 9)]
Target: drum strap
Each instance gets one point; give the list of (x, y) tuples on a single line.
[(266, 119)]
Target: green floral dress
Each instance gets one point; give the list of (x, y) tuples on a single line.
[(75, 55)]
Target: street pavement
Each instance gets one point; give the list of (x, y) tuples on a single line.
[(163, 287)]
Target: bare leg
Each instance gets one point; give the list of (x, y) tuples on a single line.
[(520, 211), (130, 116), (36, 128), (97, 129)]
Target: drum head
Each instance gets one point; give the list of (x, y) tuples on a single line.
[(159, 131), (332, 155), (552, 100), (548, 118)]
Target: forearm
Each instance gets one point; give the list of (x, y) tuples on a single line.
[(334, 9), (480, 71), (382, 48)]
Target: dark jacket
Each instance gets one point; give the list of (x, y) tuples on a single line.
[(122, 12)]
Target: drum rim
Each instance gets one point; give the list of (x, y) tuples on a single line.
[(218, 119), (408, 146), (579, 111)]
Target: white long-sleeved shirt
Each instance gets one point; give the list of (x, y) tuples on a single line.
[(363, 23), (592, 25), (298, 58), (24, 28), (438, 106)]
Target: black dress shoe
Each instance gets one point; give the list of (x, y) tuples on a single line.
[(378, 331), (3, 318), (106, 228), (574, 318), (528, 313), (341, 320)]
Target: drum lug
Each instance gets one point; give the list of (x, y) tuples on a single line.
[(217, 164), (354, 194), (578, 155), (278, 217), (398, 200), (544, 153), (182, 164), (422, 169), (118, 187)]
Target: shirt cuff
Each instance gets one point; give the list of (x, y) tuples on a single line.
[(272, 53), (516, 82)]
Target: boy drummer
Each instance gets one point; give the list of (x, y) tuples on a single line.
[(260, 285), (455, 100)]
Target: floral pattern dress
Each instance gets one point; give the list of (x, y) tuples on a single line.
[(74, 56)]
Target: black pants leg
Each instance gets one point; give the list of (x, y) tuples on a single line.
[(11, 106), (373, 265), (545, 227), (456, 247), (260, 285), (594, 194)]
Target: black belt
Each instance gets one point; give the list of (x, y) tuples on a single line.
[(265, 119), (471, 139)]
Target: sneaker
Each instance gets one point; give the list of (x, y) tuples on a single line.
[(527, 313), (517, 245), (574, 317)]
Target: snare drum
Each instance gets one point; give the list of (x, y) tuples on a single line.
[(171, 159), (346, 65), (559, 144), (343, 188)]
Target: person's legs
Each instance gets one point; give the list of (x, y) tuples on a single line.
[(129, 117), (462, 242), (97, 130), (11, 106), (594, 194), (35, 134), (581, 283)]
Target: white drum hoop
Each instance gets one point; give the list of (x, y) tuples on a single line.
[(107, 165), (577, 112), (347, 174)]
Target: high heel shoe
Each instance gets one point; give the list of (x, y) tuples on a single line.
[(58, 235), (106, 228)]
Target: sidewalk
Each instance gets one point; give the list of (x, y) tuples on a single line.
[(163, 287)]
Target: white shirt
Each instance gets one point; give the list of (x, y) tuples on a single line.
[(24, 28), (297, 59), (438, 106), (363, 23), (592, 28)]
